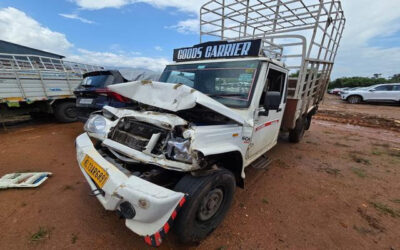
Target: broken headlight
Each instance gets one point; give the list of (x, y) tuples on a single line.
[(96, 124), (178, 149)]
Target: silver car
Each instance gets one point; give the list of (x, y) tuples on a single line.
[(377, 93)]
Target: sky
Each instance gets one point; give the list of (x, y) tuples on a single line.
[(143, 33)]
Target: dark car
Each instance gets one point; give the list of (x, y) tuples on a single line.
[(92, 94)]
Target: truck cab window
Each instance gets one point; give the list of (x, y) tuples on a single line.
[(275, 83)]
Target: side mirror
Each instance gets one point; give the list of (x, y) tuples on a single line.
[(272, 101)]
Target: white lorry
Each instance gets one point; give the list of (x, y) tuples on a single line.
[(38, 84), (177, 155)]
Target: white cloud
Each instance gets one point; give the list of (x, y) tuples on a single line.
[(189, 26), (76, 17), (182, 5), (158, 48), (118, 60), (367, 20), (17, 27)]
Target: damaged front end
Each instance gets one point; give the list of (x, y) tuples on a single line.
[(133, 158)]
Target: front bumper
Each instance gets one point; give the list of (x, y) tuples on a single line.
[(155, 206)]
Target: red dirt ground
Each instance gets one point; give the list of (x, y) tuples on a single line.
[(338, 189)]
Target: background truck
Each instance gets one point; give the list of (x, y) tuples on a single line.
[(32, 84), (177, 155)]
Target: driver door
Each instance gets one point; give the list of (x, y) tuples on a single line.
[(267, 124)]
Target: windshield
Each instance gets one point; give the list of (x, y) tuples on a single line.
[(230, 83), (99, 81)]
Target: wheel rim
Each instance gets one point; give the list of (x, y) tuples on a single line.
[(353, 100), (210, 204), (71, 112)]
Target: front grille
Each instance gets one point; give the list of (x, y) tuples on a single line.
[(136, 135)]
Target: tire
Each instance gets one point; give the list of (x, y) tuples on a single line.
[(308, 122), (66, 112), (209, 199), (354, 99), (296, 134)]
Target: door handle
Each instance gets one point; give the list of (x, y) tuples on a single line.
[(278, 110)]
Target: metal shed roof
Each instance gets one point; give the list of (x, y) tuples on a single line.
[(12, 48)]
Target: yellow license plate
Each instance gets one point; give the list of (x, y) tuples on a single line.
[(97, 173)]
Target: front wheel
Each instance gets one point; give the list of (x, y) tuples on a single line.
[(209, 199), (354, 99)]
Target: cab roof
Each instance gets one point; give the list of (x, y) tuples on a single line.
[(257, 58)]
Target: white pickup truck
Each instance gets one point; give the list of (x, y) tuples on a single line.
[(178, 153)]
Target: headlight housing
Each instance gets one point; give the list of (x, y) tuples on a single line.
[(179, 149), (97, 124)]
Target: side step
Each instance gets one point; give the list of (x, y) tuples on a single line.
[(23, 180), (262, 162)]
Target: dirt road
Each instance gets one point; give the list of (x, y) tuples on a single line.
[(338, 189)]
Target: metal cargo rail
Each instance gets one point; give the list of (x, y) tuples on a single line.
[(29, 78), (304, 34)]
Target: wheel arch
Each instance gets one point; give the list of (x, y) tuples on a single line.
[(56, 102), (232, 161), (359, 95)]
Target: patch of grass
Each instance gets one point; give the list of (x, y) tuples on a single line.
[(312, 143), (376, 152), (359, 172), (41, 234), (329, 170), (329, 132), (360, 159), (396, 201), (222, 248), (373, 222), (265, 201), (385, 209), (341, 145), (74, 238), (241, 205), (361, 230)]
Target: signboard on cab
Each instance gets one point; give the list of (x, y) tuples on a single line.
[(217, 50)]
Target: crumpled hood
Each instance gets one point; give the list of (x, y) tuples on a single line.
[(172, 97)]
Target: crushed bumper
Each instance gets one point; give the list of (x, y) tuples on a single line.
[(155, 206)]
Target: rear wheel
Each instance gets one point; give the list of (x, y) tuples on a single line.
[(209, 199), (65, 112), (354, 99), (296, 134), (308, 122)]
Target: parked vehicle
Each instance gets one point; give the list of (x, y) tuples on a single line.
[(177, 156), (31, 84), (337, 91), (92, 94), (376, 93)]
